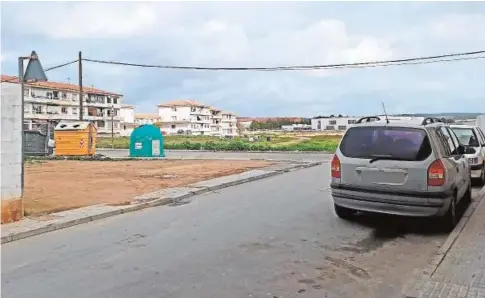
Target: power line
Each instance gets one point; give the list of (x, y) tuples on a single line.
[(406, 61), (60, 65)]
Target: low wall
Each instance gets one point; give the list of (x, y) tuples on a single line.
[(11, 152)]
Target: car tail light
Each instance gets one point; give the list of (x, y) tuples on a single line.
[(436, 173), (335, 167)]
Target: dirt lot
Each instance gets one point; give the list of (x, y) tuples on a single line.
[(54, 186)]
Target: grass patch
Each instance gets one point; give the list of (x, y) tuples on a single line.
[(323, 143)]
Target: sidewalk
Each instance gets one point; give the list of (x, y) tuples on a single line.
[(460, 269)]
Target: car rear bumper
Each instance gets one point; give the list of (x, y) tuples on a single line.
[(410, 203)]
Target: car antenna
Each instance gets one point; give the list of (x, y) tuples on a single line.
[(385, 113)]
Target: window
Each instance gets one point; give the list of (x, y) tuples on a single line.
[(64, 110), (398, 143), (174, 109), (55, 94), (332, 122), (329, 127), (450, 145), (26, 92), (174, 118), (173, 126), (108, 99), (482, 134), (101, 124), (342, 127), (466, 136), (37, 109), (64, 95), (49, 95), (115, 100), (351, 122)]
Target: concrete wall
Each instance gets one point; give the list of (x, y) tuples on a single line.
[(11, 152)]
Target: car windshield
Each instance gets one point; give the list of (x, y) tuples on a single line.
[(398, 143), (466, 136)]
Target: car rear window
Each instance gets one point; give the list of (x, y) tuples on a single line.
[(466, 136), (401, 143)]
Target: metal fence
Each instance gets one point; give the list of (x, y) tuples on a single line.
[(39, 141)]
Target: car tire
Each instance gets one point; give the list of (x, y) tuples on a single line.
[(343, 212), (450, 218)]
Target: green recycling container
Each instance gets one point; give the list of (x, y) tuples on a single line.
[(146, 141)]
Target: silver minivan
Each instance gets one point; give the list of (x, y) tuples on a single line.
[(410, 166)]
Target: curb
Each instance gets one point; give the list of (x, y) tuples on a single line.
[(148, 203), (439, 256)]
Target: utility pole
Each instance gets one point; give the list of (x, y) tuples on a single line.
[(80, 64), (112, 127)]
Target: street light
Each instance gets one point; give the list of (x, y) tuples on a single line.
[(33, 73)]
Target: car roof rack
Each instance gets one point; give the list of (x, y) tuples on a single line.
[(429, 120), (368, 119)]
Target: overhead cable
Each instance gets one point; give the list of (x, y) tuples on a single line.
[(406, 61)]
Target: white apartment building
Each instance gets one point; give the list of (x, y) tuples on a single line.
[(322, 123), (146, 118), (127, 114), (53, 102), (191, 117)]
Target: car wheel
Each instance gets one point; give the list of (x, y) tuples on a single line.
[(343, 212), (449, 218)]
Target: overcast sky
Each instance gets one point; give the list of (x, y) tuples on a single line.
[(260, 34)]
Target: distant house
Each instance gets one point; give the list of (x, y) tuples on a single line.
[(332, 123)]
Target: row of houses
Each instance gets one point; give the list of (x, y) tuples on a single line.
[(53, 102), (184, 117)]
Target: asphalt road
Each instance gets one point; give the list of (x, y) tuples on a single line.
[(276, 237), (303, 156)]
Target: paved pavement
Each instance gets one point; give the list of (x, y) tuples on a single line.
[(461, 273), (276, 237), (303, 156)]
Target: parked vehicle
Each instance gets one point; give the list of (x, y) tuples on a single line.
[(410, 166), (473, 139)]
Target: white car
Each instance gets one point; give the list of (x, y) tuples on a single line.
[(474, 139)]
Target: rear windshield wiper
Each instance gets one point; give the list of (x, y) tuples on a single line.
[(376, 157)]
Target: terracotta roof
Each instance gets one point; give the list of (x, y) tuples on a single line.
[(58, 86), (182, 103), (147, 116)]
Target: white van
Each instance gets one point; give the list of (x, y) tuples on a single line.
[(474, 139)]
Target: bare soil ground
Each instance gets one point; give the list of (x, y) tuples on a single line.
[(54, 186)]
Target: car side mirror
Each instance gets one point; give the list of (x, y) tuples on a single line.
[(460, 150)]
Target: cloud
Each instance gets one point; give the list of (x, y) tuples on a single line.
[(238, 34), (93, 20)]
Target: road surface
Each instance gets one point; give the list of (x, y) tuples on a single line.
[(276, 237), (300, 156)]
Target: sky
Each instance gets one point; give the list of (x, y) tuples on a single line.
[(259, 34)]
